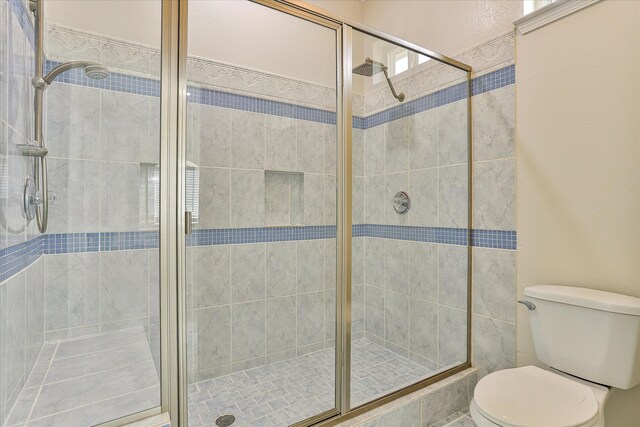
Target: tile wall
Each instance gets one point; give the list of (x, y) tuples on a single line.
[(21, 264)]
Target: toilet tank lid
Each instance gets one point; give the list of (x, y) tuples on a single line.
[(589, 298)]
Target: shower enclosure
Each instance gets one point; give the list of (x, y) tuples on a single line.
[(263, 223)]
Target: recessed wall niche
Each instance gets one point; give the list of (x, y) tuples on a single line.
[(284, 196)]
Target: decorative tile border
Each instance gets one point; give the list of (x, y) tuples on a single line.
[(198, 95), (16, 258)]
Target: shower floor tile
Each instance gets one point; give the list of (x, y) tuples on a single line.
[(283, 393), (86, 381)]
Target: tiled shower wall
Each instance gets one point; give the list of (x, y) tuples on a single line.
[(416, 292), (21, 263)]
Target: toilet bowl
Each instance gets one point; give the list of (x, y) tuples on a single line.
[(534, 397), (590, 339)]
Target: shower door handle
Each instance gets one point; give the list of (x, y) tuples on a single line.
[(187, 223)]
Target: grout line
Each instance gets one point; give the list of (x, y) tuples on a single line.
[(44, 379)]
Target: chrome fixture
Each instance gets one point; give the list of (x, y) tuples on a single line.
[(370, 68), (531, 306), (36, 196), (401, 202)]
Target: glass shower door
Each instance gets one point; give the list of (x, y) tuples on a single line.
[(260, 184)]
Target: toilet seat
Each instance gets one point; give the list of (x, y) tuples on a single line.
[(533, 397)]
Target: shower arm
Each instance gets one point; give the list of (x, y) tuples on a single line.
[(399, 97)]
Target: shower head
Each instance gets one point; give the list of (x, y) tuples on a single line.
[(93, 70), (369, 68)]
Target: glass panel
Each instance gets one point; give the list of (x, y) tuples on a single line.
[(90, 328), (261, 262), (409, 274)]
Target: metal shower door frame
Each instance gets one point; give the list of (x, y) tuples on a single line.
[(173, 227)]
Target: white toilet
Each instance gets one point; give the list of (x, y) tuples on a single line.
[(591, 341)]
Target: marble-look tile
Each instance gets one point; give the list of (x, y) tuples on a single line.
[(374, 150), (310, 317), (313, 199), (71, 290), (211, 276), (330, 316), (452, 133), (123, 285), (280, 269), (247, 140), (396, 146), (423, 191), (77, 205), (494, 283), (392, 184), (453, 287), (277, 201), (423, 140), (4, 167), (22, 407), (209, 135), (357, 260), (494, 124), (15, 334), (34, 291), (424, 328), (462, 422), (330, 150), (120, 200), (296, 198), (213, 336), (281, 320), (73, 121), (357, 308), (281, 143), (248, 326), (357, 200), (357, 152), (452, 336), (4, 47), (374, 200), (310, 143), (215, 197), (330, 199), (396, 319), (18, 110), (124, 126), (453, 196), (247, 272), (494, 345), (396, 266), (444, 401), (405, 416), (330, 269), (494, 195), (423, 270), (4, 315), (374, 262), (247, 198), (374, 310), (310, 266), (151, 153)]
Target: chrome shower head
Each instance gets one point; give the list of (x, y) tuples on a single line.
[(92, 69), (96, 71), (369, 68)]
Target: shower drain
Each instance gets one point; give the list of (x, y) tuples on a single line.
[(225, 420)]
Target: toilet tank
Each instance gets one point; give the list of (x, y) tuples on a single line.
[(594, 335)]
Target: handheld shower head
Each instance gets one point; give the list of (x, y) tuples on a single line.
[(92, 69), (370, 68)]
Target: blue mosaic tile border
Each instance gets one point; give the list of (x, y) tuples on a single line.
[(150, 87), (18, 257)]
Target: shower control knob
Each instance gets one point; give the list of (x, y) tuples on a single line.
[(401, 202)]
